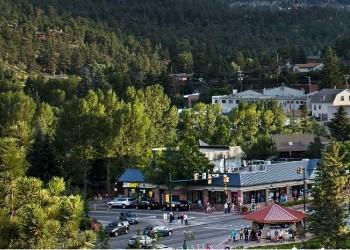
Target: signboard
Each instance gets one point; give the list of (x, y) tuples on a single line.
[(167, 198), (252, 201), (130, 184)]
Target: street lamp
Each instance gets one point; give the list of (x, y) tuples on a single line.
[(309, 77), (301, 170)]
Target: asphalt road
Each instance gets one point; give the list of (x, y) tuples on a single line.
[(213, 229)]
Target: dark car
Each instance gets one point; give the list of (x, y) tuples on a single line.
[(178, 205), (158, 229), (115, 229), (147, 204), (129, 217)]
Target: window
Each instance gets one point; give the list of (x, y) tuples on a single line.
[(314, 107), (291, 102), (230, 101), (237, 101), (342, 98), (297, 102), (216, 101), (319, 106), (223, 101)]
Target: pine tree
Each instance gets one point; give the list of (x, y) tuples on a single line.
[(328, 220), (331, 72), (340, 125)]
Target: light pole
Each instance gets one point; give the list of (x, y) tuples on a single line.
[(308, 77), (301, 170)]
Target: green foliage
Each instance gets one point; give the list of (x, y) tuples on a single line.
[(339, 125), (35, 216), (329, 198), (331, 72)]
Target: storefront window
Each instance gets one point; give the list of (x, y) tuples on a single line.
[(194, 196), (217, 197), (256, 196)]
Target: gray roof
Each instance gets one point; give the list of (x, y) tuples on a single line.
[(325, 95), (273, 173)]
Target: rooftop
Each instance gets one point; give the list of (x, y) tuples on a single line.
[(325, 95)]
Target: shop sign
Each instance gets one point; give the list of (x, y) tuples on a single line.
[(130, 184), (167, 198)]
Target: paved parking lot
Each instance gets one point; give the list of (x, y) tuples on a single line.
[(206, 228)]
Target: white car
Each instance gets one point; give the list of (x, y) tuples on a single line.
[(122, 202), (144, 241), (124, 224)]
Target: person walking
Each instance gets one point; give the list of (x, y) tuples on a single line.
[(246, 235), (182, 218), (225, 207), (233, 234), (228, 207), (171, 217), (199, 202), (185, 219), (259, 235), (241, 234)]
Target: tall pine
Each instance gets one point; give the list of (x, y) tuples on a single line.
[(339, 126), (328, 221), (331, 72)]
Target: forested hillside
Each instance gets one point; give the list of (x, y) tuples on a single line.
[(208, 32)]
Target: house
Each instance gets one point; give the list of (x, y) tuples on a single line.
[(290, 99), (313, 59), (191, 99), (294, 145), (226, 159), (308, 67), (326, 102)]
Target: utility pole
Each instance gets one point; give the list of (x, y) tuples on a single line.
[(308, 77), (299, 171), (240, 79), (170, 192)]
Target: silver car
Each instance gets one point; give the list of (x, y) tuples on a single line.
[(142, 240), (122, 202)]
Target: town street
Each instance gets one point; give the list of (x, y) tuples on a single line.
[(206, 228)]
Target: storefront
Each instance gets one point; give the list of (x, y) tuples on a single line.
[(255, 196)]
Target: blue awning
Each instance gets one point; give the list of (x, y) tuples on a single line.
[(131, 175)]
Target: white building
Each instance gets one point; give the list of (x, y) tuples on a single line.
[(308, 67), (326, 102), (289, 98), (224, 158)]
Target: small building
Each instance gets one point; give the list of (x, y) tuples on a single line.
[(226, 159), (275, 220), (191, 99), (326, 102), (294, 145), (133, 184), (307, 67)]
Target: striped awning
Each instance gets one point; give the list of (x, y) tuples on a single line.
[(275, 214)]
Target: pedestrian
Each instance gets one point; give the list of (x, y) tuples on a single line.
[(241, 234), (171, 217), (179, 219), (185, 219), (225, 207), (228, 207), (246, 235), (259, 235), (233, 234), (182, 218), (199, 204)]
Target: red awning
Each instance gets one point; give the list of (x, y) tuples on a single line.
[(275, 214)]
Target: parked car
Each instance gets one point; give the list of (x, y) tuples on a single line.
[(115, 229), (158, 229), (178, 205), (122, 202), (161, 246), (124, 223), (147, 204), (144, 241), (129, 217)]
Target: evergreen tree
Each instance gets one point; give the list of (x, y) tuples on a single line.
[(42, 158), (328, 221), (331, 72), (305, 123), (339, 126)]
